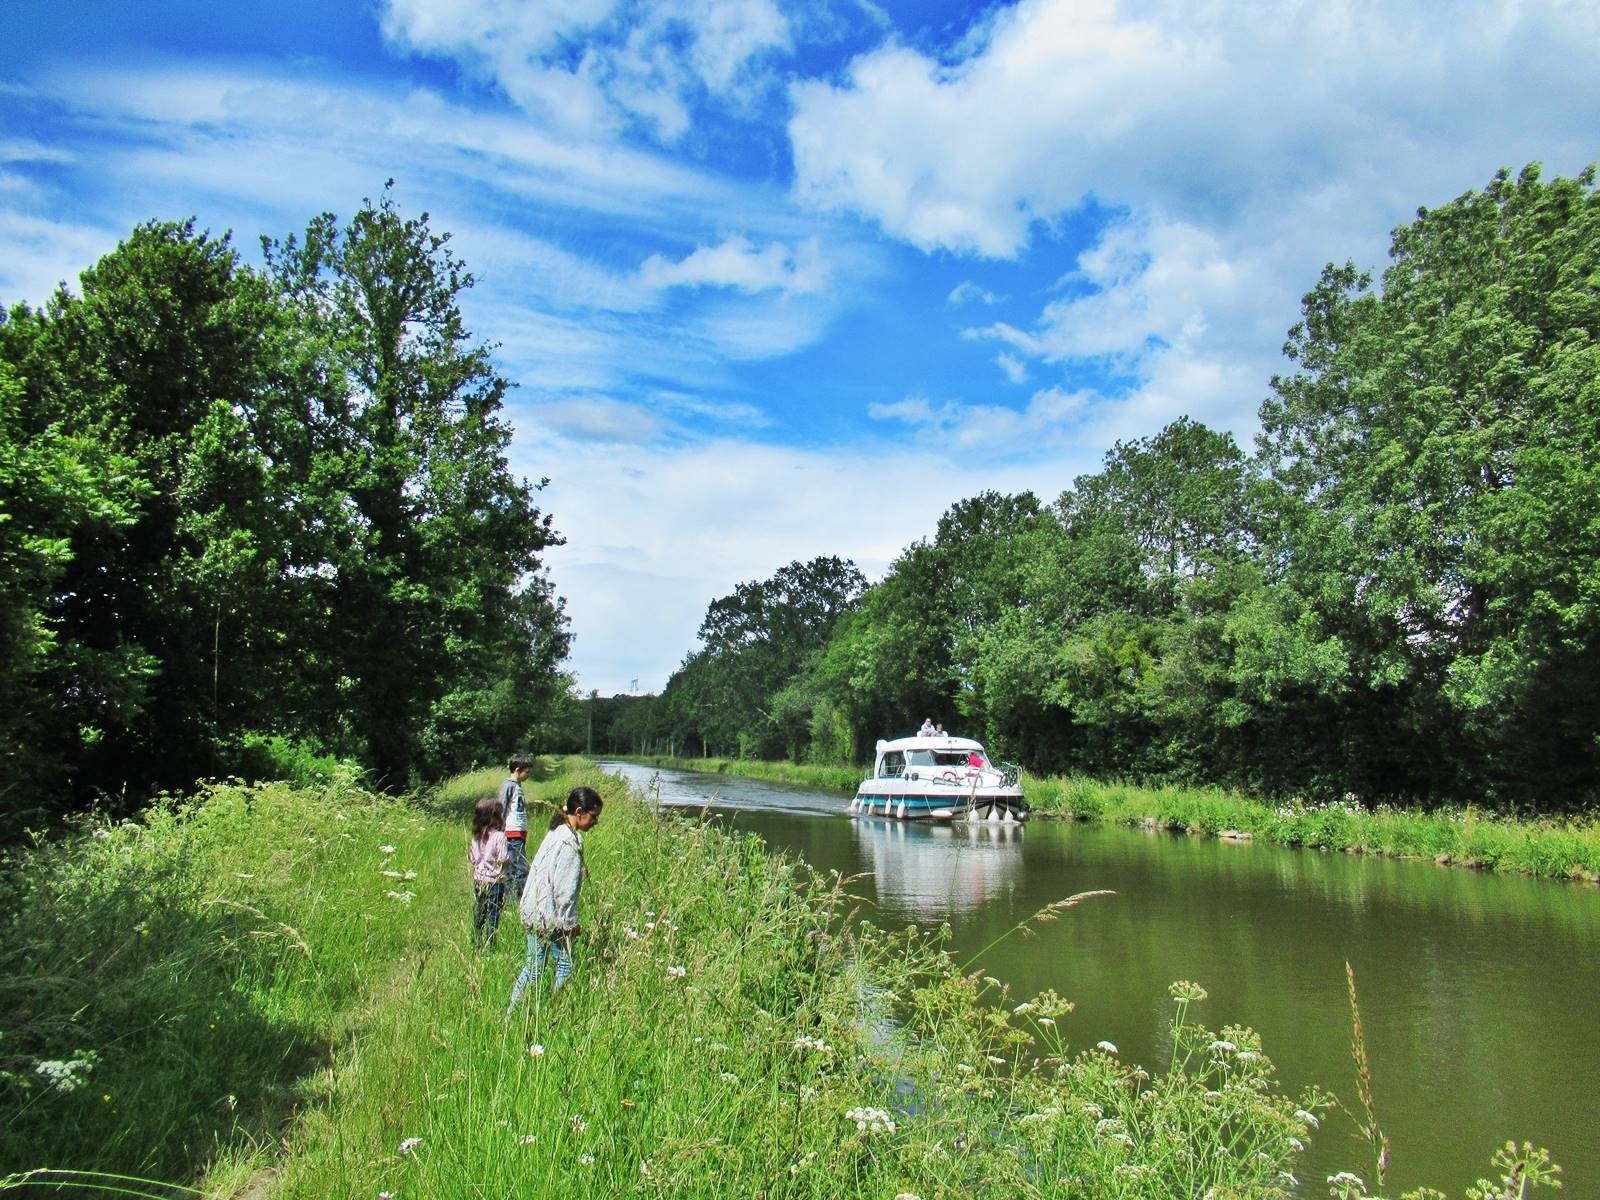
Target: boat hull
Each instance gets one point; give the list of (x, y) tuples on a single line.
[(1001, 805)]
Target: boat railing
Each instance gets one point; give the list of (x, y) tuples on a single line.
[(1010, 773)]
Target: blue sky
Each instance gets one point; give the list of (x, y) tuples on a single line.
[(785, 280)]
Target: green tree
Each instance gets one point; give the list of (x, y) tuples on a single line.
[(438, 616), (1437, 448)]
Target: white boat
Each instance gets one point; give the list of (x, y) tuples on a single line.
[(939, 779)]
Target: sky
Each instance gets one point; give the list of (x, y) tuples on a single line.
[(781, 280)]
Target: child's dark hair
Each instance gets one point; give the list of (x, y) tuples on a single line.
[(579, 800), (521, 763), (487, 814)]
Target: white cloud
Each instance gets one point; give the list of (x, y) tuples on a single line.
[(739, 264), (40, 254), (1243, 146), (641, 63), (1015, 369), (1051, 421), (595, 419), (656, 533), (967, 292)]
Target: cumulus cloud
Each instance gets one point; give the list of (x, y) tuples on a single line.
[(639, 64), (1015, 369), (1237, 149)]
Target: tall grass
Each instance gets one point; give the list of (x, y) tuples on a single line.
[(269, 976)]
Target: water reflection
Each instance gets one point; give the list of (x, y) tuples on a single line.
[(931, 871)]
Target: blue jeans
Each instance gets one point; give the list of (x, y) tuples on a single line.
[(558, 945), (488, 900), (516, 869)]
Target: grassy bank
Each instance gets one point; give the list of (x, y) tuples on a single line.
[(1549, 848), (269, 991)]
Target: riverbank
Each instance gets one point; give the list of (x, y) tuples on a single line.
[(1547, 848), (268, 991)]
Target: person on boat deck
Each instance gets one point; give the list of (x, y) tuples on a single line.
[(926, 729), (938, 731), (974, 759)]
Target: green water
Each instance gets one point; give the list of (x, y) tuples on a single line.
[(1478, 993)]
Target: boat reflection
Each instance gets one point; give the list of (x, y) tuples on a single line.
[(930, 871)]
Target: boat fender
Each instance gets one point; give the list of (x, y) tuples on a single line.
[(901, 812), (913, 775)]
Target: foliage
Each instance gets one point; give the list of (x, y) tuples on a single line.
[(236, 502)]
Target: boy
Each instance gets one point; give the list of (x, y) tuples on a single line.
[(516, 813)]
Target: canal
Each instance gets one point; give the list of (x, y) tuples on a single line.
[(1478, 993)]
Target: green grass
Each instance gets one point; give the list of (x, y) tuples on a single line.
[(1551, 848), (267, 977)]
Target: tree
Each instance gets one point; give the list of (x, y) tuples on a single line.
[(438, 614), (1437, 448)]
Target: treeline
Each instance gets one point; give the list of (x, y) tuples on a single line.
[(249, 512), (1397, 595)]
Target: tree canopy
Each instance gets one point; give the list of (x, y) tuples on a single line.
[(238, 503)]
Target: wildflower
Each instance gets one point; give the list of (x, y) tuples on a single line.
[(1288, 1177), (1121, 1137), (996, 1059), (719, 1047), (243, 875), (907, 1196), (1107, 1125), (812, 1043), (1093, 1110), (536, 1050), (1248, 1055), (1183, 991), (794, 1167), (1297, 1143), (644, 1167), (648, 913), (342, 817), (677, 972), (729, 1077), (1027, 1006), (1345, 1178), (410, 1145), (964, 1068), (870, 1120), (527, 1139), (1108, 1047), (578, 1123), (1047, 1020), (650, 925), (385, 1196), (626, 1103), (586, 1159), (633, 934), (387, 849), (1221, 1047), (1309, 1118), (403, 897), (102, 834), (65, 1075)]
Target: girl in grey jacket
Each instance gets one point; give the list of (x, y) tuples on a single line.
[(550, 899)]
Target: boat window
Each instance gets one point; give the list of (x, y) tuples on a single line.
[(950, 758), (920, 758), (894, 763)]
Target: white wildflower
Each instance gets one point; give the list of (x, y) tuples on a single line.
[(527, 1139), (387, 849), (578, 1123), (1310, 1118), (964, 1068), (1297, 1143), (409, 1146), (729, 1077), (996, 1059), (1288, 1177), (677, 972), (870, 1120), (403, 897), (340, 817), (719, 1047), (1248, 1055), (586, 1159), (812, 1043), (1344, 1177), (65, 1075), (1221, 1047), (1027, 1006), (1047, 1020), (795, 1167), (633, 934), (644, 1167), (536, 1050), (1108, 1047)]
